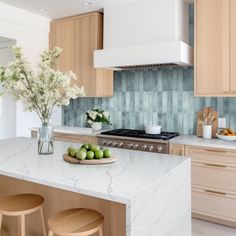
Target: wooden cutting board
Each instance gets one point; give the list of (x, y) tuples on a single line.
[(214, 124), (72, 160)]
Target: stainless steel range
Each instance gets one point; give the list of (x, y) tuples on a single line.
[(136, 140)]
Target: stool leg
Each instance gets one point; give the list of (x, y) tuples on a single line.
[(43, 222), (22, 225), (100, 232), (0, 224), (50, 233)]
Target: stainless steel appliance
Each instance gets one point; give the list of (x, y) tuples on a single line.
[(136, 140)]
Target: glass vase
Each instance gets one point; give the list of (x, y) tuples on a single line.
[(45, 141)]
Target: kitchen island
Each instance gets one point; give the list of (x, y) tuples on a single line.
[(141, 194)]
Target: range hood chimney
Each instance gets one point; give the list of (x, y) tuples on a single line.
[(141, 33)]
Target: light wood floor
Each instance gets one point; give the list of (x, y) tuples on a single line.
[(203, 228)]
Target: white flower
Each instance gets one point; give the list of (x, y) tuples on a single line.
[(106, 114), (41, 90)]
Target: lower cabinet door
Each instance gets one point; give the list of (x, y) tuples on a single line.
[(214, 204), (221, 177)]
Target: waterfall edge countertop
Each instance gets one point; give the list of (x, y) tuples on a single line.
[(149, 184)]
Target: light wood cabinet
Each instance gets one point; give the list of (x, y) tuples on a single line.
[(213, 184), (233, 47), (212, 47), (62, 35), (177, 150), (71, 138), (79, 36)]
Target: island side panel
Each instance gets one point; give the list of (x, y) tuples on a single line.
[(164, 208), (57, 200)]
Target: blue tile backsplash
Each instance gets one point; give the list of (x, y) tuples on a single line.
[(163, 95)]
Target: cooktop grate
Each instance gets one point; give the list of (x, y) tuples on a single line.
[(140, 134)]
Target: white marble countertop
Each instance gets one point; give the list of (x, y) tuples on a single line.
[(193, 140), (73, 130), (120, 182)]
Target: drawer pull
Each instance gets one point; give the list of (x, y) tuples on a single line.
[(219, 151), (214, 165), (215, 192)]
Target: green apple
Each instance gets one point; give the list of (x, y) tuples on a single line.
[(98, 154), (85, 146), (90, 155), (107, 153), (73, 152), (94, 148), (83, 149), (81, 155), (69, 150)]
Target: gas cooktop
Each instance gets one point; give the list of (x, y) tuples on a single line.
[(140, 134)]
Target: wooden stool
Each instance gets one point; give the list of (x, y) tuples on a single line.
[(76, 222), (21, 205)]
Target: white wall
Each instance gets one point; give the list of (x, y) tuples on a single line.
[(31, 32), (7, 105)]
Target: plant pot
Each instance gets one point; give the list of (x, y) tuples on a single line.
[(45, 141), (96, 126)]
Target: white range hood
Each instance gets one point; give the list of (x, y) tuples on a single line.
[(142, 33)]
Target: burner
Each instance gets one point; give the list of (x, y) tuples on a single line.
[(140, 134)]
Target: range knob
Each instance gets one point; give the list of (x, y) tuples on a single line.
[(114, 144), (159, 148), (144, 147), (150, 148), (104, 143), (120, 145), (130, 145), (135, 146), (109, 143)]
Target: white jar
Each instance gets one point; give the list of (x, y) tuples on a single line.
[(207, 131), (96, 126)]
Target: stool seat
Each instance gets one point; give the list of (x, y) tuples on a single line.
[(20, 204), (76, 222)]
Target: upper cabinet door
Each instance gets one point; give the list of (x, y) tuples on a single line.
[(84, 47), (233, 47), (212, 57), (62, 35)]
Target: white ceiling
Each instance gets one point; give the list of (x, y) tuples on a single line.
[(60, 8)]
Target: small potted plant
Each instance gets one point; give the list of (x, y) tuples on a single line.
[(97, 117)]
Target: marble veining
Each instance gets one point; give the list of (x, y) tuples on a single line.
[(209, 143), (155, 188)]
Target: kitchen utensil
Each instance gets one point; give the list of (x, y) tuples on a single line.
[(207, 131), (153, 129), (207, 116)]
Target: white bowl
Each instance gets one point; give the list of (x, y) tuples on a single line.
[(226, 138)]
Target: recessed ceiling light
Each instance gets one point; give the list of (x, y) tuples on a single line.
[(43, 9), (87, 3)]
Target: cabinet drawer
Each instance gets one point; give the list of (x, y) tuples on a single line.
[(213, 204), (212, 156), (70, 138), (214, 176)]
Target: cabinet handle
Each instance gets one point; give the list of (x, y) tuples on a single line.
[(233, 92), (219, 151), (225, 92), (215, 192), (215, 165)]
